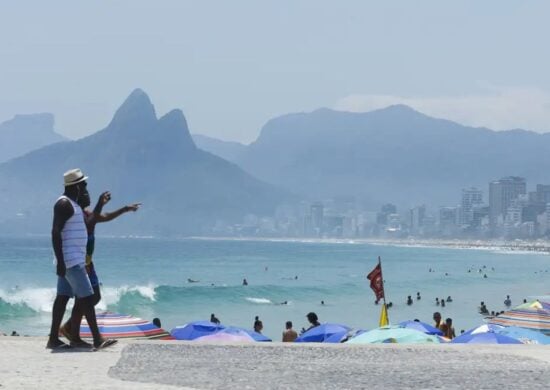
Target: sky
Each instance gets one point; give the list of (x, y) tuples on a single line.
[(233, 65)]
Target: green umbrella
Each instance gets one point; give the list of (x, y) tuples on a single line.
[(394, 334)]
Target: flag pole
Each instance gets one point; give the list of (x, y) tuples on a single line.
[(383, 287)]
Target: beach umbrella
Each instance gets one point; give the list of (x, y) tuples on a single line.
[(531, 318), (120, 326), (484, 338), (233, 336), (255, 335), (536, 304), (394, 334), (484, 329), (195, 329), (343, 336), (421, 326), (322, 332), (526, 336)]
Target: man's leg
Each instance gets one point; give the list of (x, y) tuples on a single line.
[(87, 306), (80, 282), (58, 311), (76, 317)]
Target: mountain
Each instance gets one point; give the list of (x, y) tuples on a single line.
[(25, 133), (394, 155), (228, 150), (137, 157)]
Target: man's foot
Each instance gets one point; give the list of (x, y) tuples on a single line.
[(57, 344), (65, 332), (104, 344), (80, 344)]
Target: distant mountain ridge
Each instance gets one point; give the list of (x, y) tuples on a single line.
[(228, 150), (394, 154), (138, 157), (25, 133)]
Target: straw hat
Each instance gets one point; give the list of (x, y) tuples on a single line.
[(74, 176)]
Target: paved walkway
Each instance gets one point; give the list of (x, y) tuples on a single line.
[(278, 366)]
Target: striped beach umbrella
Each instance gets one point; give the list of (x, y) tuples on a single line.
[(526, 317), (120, 326)]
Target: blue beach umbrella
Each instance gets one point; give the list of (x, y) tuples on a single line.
[(484, 338), (195, 329), (339, 337), (421, 326), (526, 336), (394, 334), (321, 333), (484, 329), (237, 330)]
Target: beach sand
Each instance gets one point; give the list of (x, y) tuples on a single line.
[(25, 364)]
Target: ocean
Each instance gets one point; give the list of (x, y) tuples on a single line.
[(148, 277)]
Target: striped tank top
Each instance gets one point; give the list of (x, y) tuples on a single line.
[(74, 237)]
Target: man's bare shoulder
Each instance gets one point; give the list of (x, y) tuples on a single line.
[(63, 206)]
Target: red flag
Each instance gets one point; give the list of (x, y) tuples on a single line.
[(376, 284)]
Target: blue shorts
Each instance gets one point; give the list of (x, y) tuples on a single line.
[(76, 282)]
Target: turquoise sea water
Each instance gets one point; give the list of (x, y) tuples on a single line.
[(148, 278)]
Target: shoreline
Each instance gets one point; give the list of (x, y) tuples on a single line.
[(135, 364), (516, 246)]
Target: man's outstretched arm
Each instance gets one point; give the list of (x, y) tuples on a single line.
[(109, 216), (98, 214)]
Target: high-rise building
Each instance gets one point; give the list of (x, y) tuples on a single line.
[(471, 197), (387, 209), (501, 194), (543, 193), (417, 219), (317, 216)]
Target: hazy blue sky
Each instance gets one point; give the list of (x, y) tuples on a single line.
[(232, 65)]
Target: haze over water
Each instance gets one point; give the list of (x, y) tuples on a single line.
[(149, 278)]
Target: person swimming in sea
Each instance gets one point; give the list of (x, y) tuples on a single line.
[(245, 282), (409, 300), (189, 280)]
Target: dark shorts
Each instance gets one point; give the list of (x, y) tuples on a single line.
[(94, 280)]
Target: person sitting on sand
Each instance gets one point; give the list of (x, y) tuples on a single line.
[(214, 319), (289, 334), (313, 320)]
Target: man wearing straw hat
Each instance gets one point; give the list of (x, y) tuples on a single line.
[(69, 238)]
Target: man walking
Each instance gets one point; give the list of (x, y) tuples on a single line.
[(69, 238), (91, 219)]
